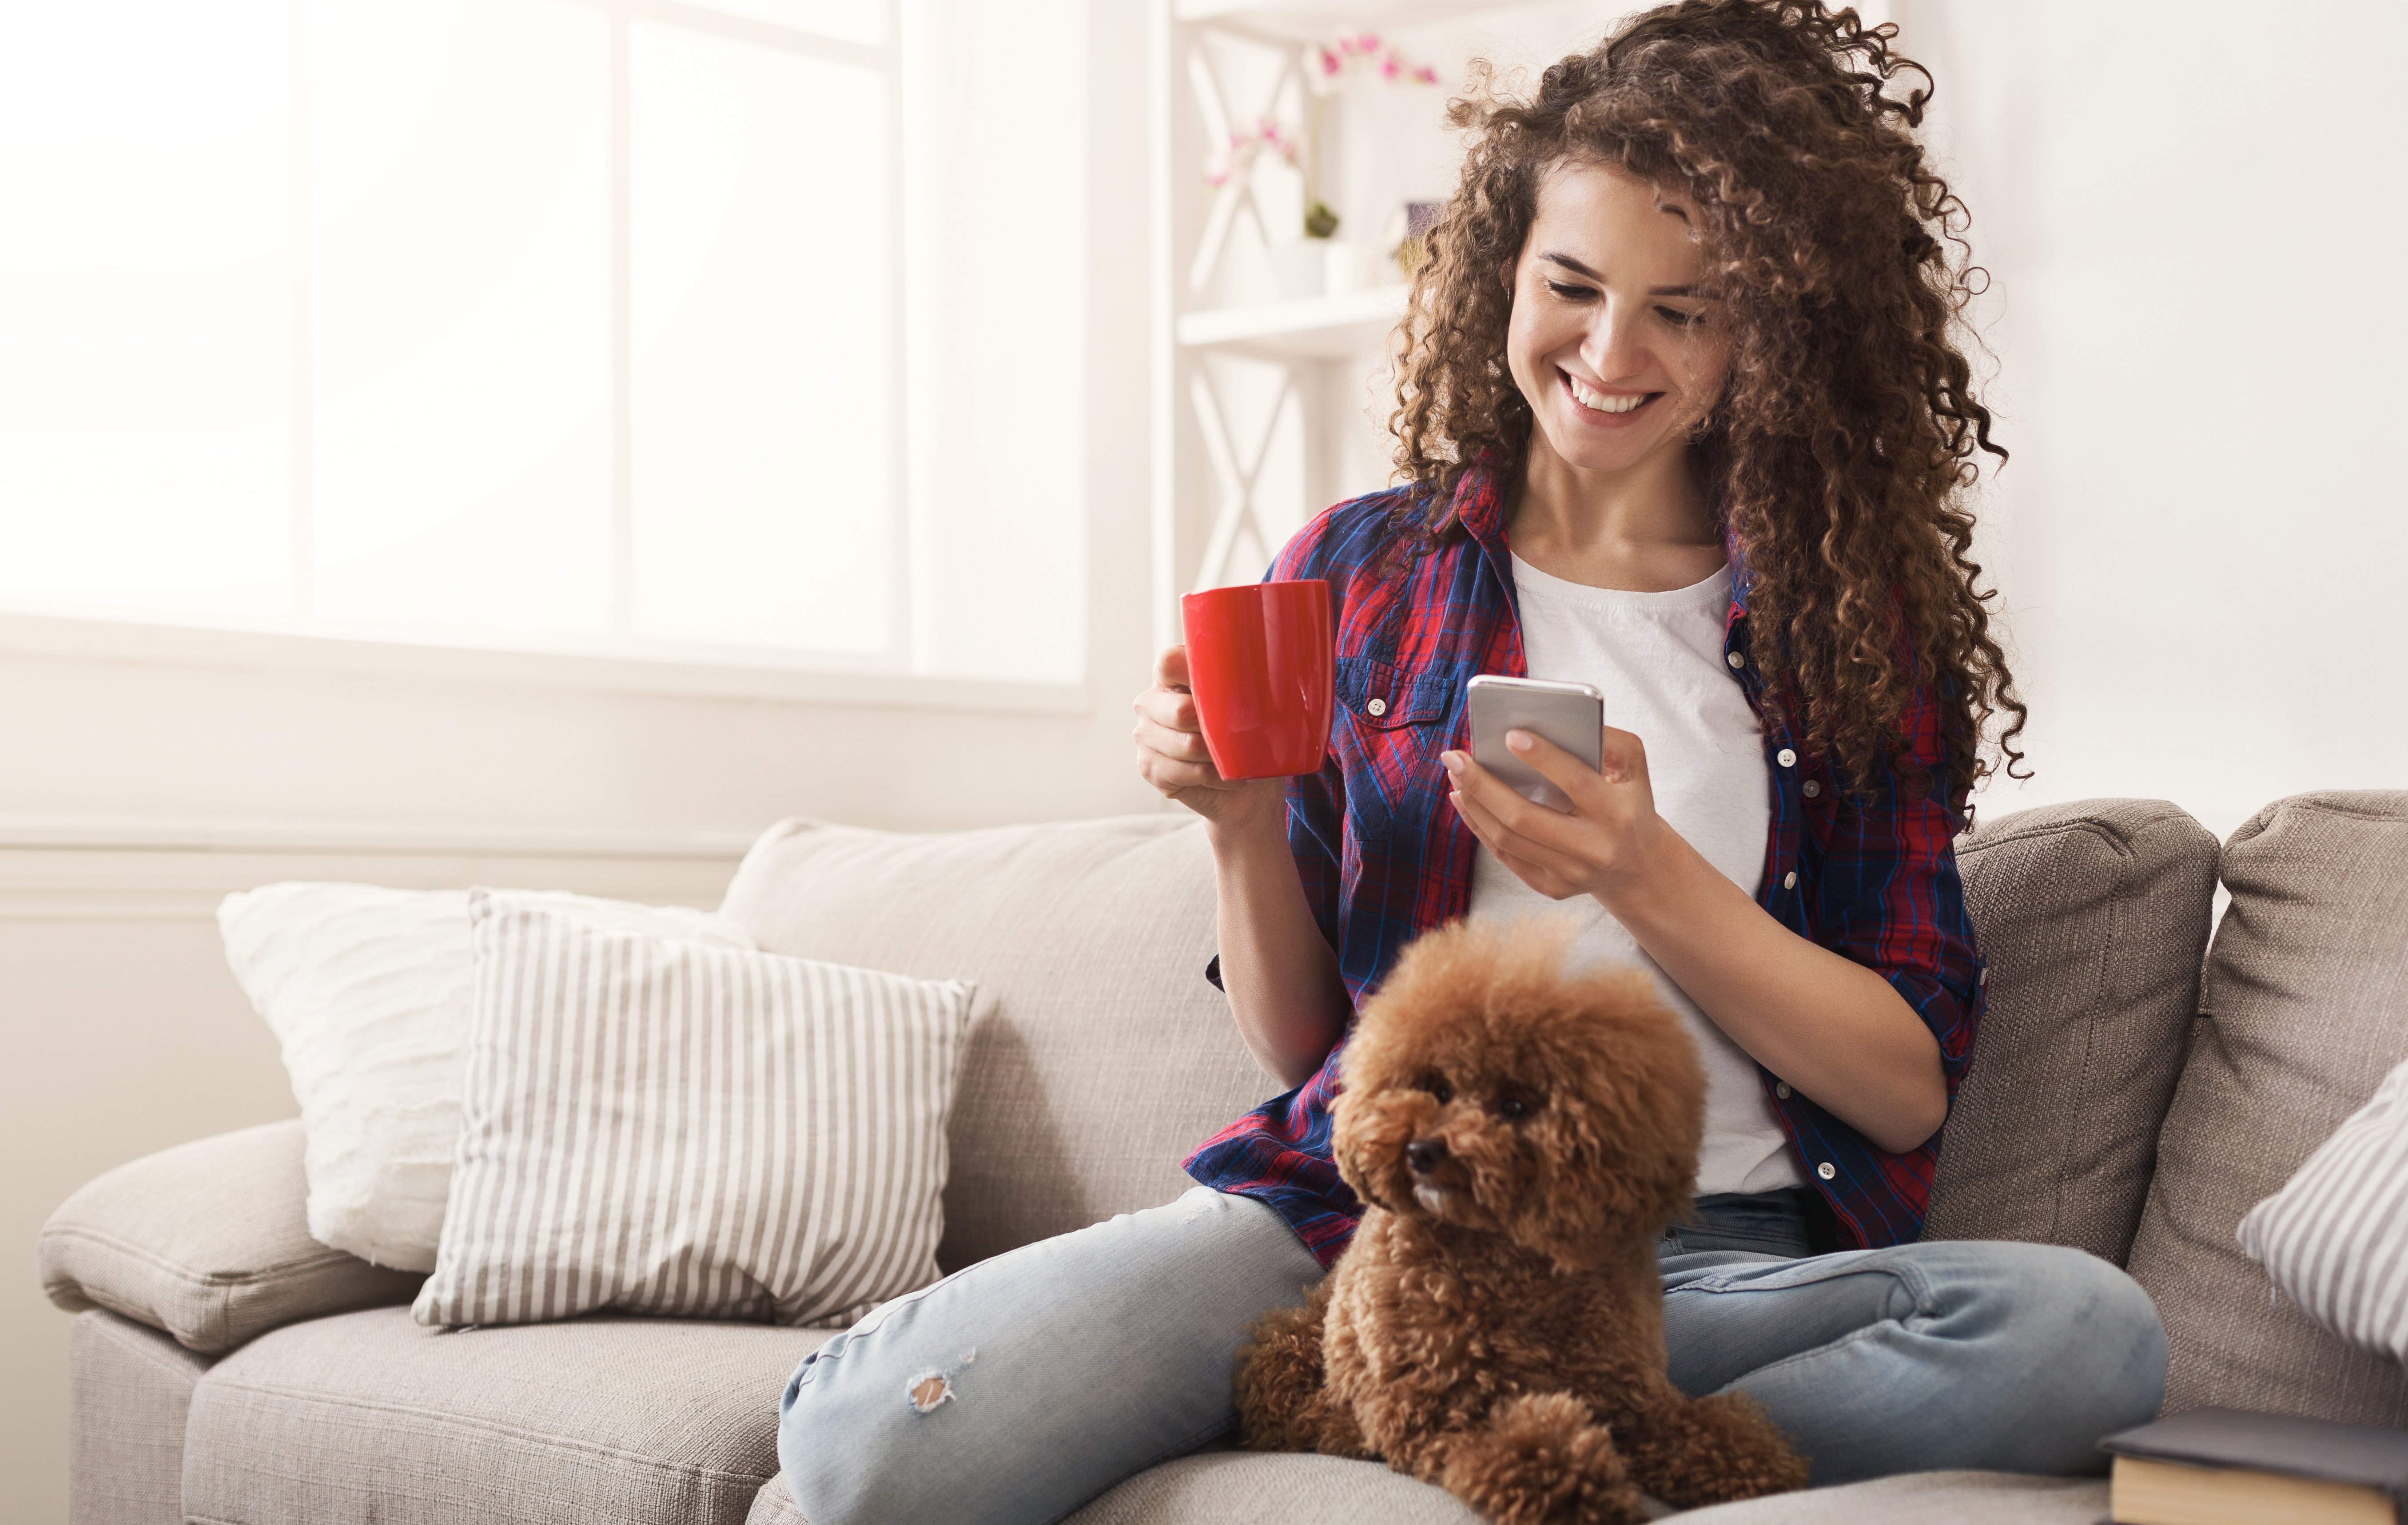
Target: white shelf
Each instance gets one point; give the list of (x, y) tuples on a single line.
[(1307, 328), (1317, 20)]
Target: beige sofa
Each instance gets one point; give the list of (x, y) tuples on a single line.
[(227, 1368)]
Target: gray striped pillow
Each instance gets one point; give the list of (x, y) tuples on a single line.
[(661, 1127), (2336, 1236)]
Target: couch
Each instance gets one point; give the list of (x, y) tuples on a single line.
[(227, 1368)]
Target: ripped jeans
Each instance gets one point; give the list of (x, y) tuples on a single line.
[(1016, 1389)]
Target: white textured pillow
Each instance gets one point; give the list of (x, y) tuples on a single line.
[(663, 1128), (368, 990), (2336, 1236)]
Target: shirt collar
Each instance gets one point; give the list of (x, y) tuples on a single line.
[(1478, 504)]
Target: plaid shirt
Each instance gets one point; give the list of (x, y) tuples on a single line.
[(1384, 857)]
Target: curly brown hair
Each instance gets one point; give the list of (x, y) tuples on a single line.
[(1841, 450)]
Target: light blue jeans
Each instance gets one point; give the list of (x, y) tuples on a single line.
[(1017, 1389)]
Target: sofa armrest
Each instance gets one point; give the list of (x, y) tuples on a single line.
[(210, 1241)]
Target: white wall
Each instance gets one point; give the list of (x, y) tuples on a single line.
[(2191, 214), (119, 1028)]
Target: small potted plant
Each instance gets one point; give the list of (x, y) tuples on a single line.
[(1330, 69), (1319, 260)]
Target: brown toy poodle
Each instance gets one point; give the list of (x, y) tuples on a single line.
[(1520, 1137)]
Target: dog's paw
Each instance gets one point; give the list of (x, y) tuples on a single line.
[(1541, 1459), (1711, 1450)]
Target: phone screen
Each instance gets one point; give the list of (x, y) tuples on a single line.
[(1570, 715)]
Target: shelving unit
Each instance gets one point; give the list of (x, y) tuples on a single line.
[(1300, 328), (1263, 407)]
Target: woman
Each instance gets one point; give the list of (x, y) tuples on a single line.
[(1680, 415)]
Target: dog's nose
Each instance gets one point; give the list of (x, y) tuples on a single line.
[(1425, 1154)]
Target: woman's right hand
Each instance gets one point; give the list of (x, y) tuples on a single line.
[(1172, 756)]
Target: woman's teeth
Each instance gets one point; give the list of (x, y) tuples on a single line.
[(1601, 403)]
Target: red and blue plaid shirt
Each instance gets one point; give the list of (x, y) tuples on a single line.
[(1870, 875)]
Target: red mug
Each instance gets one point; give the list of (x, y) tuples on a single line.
[(1261, 664)]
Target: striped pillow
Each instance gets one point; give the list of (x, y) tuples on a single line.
[(370, 992), (661, 1127), (2336, 1236)]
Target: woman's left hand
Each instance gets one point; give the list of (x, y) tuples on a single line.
[(1601, 848)]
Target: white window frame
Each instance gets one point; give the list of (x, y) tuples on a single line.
[(892, 677)]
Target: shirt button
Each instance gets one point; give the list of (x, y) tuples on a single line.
[(1376, 709), (1781, 1089), (1789, 881), (1984, 977), (1825, 1170), (1786, 758), (1737, 659), (1812, 789)]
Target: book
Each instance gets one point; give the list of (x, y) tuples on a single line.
[(2221, 1466)]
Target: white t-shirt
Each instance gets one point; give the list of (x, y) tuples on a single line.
[(1657, 657)]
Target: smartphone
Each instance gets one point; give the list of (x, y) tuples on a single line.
[(1570, 715)]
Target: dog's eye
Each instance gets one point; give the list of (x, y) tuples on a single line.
[(1436, 1085), (1511, 1108)]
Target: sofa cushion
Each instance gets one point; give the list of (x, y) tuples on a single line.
[(2092, 920), (1213, 1487), (370, 992), (1918, 1498), (1097, 1055), (371, 1417), (208, 1241), (2306, 1009), (657, 1127), (129, 1392)]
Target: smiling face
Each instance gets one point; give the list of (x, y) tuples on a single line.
[(1612, 338)]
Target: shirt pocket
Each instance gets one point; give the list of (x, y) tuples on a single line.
[(1392, 724)]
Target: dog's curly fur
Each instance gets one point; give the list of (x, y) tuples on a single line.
[(1497, 1327)]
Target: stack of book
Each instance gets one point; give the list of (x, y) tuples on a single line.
[(2220, 1466)]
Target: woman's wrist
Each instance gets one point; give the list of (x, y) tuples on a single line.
[(1647, 875), (1255, 827)]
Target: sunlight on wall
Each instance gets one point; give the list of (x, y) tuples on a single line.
[(764, 346), (459, 363), (855, 21), (144, 415), (522, 321), (998, 286)]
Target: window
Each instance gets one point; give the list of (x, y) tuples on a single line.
[(575, 324)]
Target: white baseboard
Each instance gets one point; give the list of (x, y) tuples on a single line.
[(58, 869)]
